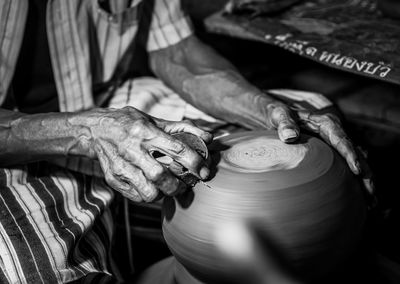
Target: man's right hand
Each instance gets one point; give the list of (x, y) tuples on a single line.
[(123, 140)]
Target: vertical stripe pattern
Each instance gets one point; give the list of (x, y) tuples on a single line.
[(55, 225), (169, 25), (12, 23), (69, 38)]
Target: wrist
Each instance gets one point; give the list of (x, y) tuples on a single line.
[(49, 135), (82, 126)]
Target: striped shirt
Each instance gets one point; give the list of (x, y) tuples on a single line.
[(86, 42), (55, 224)]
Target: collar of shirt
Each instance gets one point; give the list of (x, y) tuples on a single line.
[(76, 64), (86, 42)]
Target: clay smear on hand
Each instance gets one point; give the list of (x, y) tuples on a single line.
[(263, 154)]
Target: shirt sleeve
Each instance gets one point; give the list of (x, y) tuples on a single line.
[(169, 25)]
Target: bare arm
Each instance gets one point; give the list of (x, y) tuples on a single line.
[(120, 139), (212, 84), (27, 138)]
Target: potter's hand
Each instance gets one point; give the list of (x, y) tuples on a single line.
[(328, 126), (213, 85), (123, 140)]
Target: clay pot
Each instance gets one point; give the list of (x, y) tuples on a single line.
[(300, 200)]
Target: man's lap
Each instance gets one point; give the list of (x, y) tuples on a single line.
[(55, 225)]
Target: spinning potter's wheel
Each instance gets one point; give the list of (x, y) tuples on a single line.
[(300, 199)]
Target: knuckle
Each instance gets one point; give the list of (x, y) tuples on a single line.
[(281, 114), (178, 147), (195, 161), (156, 173), (327, 119), (150, 195), (282, 108), (170, 187), (112, 182), (139, 124), (304, 115), (143, 127), (128, 109), (110, 121), (146, 190), (118, 169), (125, 149), (338, 143)]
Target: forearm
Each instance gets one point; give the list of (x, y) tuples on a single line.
[(26, 138), (211, 83)]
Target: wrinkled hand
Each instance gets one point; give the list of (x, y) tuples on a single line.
[(328, 127), (123, 140)]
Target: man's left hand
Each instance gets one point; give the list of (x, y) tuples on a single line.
[(328, 127)]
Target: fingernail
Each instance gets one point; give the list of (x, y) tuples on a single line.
[(165, 160), (289, 134), (204, 172)]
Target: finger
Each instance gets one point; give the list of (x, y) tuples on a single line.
[(185, 126), (331, 131), (148, 176), (366, 173), (288, 130), (345, 148), (121, 186), (367, 179), (194, 142), (369, 187), (134, 176), (178, 151), (146, 189), (157, 174), (121, 172)]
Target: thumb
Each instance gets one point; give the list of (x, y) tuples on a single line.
[(283, 121)]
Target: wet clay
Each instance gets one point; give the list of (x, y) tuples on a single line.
[(300, 200)]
